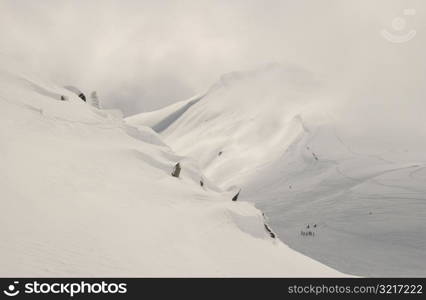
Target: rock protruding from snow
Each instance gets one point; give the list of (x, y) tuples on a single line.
[(176, 170), (95, 99), (76, 91)]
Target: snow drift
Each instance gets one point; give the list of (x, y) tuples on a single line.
[(85, 194), (316, 157)]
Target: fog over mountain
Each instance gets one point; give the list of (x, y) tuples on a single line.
[(335, 180), (213, 138), (142, 55)]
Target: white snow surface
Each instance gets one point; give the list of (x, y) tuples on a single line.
[(307, 156), (85, 194)]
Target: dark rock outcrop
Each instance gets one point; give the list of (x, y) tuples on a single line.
[(176, 170)]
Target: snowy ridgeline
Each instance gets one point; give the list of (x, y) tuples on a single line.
[(338, 183), (85, 194)]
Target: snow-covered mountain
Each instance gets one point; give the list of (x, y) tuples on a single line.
[(85, 194), (337, 182)]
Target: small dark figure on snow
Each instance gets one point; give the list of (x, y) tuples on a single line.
[(315, 225), (220, 153), (176, 170), (307, 226), (63, 98), (235, 198), (201, 183)]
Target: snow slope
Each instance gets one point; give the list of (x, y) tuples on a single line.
[(280, 135), (161, 119), (85, 194)]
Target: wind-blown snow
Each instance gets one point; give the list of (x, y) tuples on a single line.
[(160, 120), (309, 153), (85, 194)]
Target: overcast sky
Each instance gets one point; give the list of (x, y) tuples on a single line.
[(141, 55)]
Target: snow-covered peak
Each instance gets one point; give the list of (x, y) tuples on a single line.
[(249, 117), (85, 194)]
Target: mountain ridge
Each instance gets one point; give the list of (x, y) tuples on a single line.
[(284, 138)]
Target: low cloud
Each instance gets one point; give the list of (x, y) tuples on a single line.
[(142, 55)]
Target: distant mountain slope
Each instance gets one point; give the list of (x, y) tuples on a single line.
[(85, 194), (309, 158), (160, 120)]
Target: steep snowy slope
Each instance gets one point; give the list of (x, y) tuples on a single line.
[(354, 199), (84, 194), (161, 119)]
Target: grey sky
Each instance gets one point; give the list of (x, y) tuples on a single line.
[(142, 55)]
